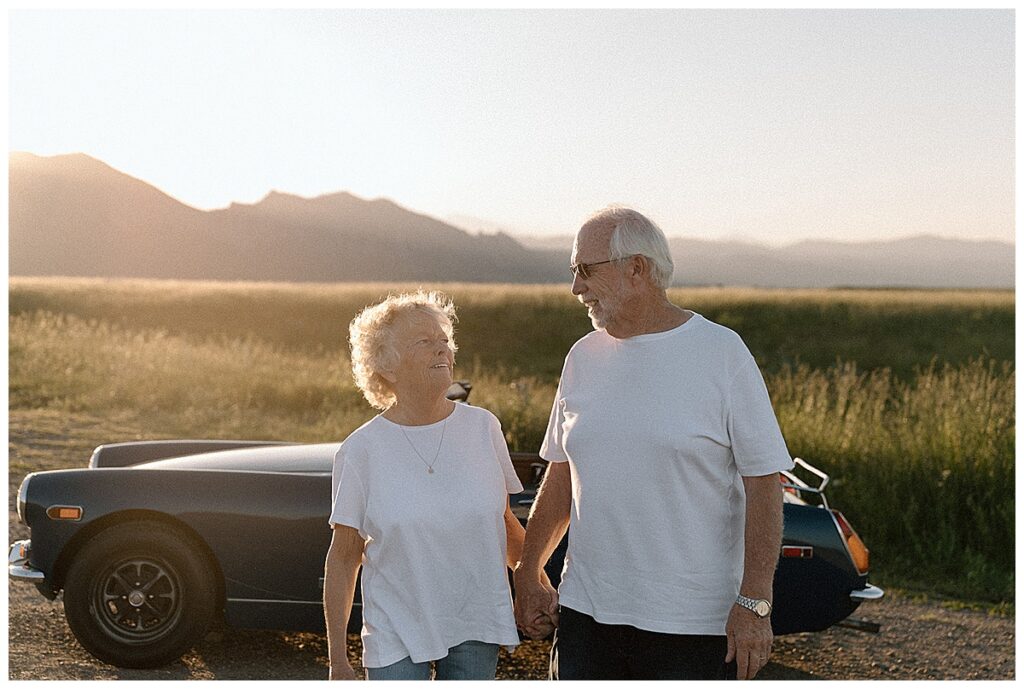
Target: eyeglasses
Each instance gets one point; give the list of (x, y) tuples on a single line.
[(582, 270)]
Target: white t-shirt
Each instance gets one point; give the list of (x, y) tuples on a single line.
[(658, 430), (434, 571)]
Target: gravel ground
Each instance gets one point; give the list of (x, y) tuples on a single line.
[(919, 640)]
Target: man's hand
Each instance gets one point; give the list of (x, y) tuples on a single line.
[(542, 628), (536, 604), (342, 671), (749, 640), (749, 636)]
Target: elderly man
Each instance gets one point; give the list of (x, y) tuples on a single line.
[(664, 456)]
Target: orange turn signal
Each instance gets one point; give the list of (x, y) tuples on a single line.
[(64, 513), (858, 551)]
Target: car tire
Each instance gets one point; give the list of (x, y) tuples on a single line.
[(139, 595)]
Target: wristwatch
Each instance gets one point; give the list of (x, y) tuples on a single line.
[(759, 606)]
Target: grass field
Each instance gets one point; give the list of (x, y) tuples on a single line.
[(905, 397)]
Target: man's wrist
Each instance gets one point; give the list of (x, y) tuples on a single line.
[(761, 607), (757, 587)]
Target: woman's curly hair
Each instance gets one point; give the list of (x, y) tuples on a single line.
[(372, 339)]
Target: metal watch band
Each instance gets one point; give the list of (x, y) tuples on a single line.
[(754, 605)]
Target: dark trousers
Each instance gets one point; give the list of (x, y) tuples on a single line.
[(586, 649)]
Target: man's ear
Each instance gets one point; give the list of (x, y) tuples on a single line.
[(388, 375), (639, 267)]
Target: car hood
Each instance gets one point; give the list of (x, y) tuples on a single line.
[(292, 459)]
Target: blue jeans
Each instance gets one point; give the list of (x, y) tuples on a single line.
[(587, 649), (468, 660)]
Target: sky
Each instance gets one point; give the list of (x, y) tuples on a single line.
[(765, 125)]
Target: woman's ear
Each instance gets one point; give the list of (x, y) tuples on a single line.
[(388, 375)]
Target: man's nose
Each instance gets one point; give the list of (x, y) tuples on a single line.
[(579, 285)]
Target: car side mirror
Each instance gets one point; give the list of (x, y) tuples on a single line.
[(459, 391)]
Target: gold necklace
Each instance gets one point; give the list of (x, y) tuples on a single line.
[(430, 466)]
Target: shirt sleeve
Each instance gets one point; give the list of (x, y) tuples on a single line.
[(512, 483), (551, 449), (757, 442), (348, 506)]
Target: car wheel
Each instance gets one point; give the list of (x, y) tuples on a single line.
[(139, 595)]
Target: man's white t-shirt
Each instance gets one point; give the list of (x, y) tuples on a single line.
[(434, 570), (658, 430)]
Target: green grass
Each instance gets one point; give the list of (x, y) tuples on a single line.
[(526, 330), (921, 453)]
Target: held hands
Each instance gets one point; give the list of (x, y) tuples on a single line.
[(536, 605), (749, 640), (541, 628)]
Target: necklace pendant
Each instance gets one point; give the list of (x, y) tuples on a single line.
[(430, 470)]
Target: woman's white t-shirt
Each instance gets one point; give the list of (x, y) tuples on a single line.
[(434, 570)]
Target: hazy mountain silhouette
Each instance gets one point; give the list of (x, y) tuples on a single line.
[(73, 215), (76, 216), (924, 261)]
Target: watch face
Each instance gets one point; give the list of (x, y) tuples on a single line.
[(762, 608)]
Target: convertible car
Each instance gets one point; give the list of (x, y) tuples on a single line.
[(154, 539)]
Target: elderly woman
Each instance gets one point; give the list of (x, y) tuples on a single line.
[(421, 501)]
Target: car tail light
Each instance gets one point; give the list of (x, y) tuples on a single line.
[(858, 551), (797, 551)]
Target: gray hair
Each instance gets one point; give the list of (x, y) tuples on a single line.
[(371, 336), (635, 234)]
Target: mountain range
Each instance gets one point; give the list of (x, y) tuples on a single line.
[(924, 261), (73, 215)]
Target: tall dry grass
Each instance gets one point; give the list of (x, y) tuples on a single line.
[(219, 387), (526, 330), (924, 468)]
